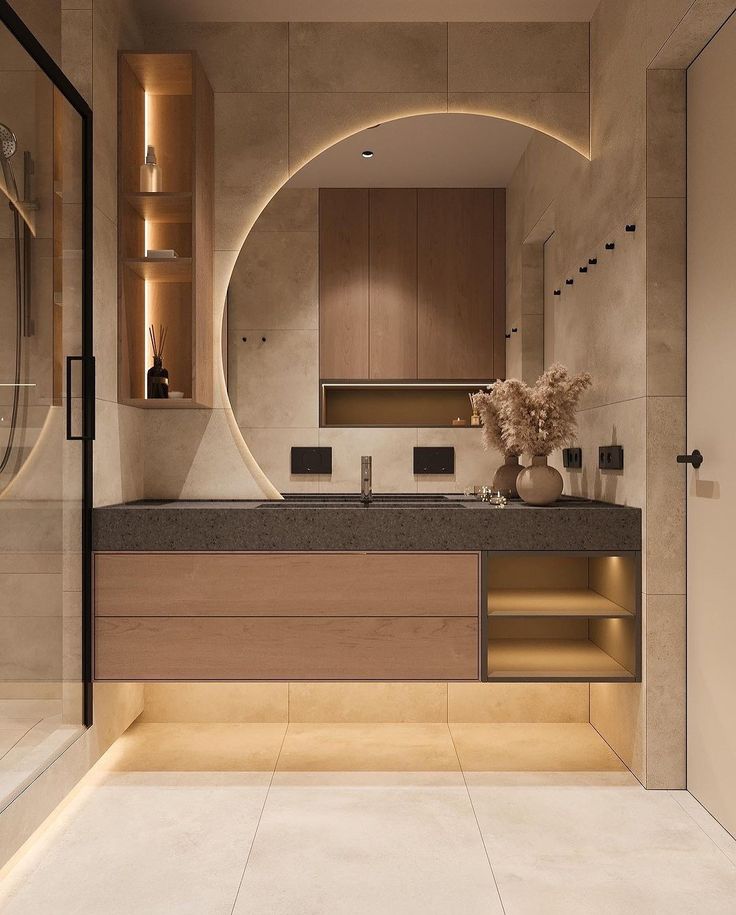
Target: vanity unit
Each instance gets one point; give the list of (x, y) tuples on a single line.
[(442, 589)]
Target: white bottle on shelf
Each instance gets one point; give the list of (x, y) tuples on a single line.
[(151, 173)]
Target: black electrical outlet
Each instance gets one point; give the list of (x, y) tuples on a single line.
[(611, 457), (572, 458), (311, 460), (434, 460)]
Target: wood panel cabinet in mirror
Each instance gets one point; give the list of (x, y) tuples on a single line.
[(343, 283)]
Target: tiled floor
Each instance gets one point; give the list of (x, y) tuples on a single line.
[(380, 819)]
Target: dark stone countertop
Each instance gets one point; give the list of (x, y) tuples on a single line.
[(153, 526)]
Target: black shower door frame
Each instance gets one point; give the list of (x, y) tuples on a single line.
[(48, 65)]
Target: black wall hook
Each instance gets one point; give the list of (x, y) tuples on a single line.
[(630, 227), (610, 245), (569, 282), (514, 330), (592, 260), (557, 292), (508, 336), (583, 269)]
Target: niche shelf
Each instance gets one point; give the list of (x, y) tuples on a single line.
[(164, 99), (569, 617), (430, 404)]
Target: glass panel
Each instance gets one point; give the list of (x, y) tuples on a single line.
[(41, 691)]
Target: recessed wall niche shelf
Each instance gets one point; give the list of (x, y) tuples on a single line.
[(396, 403), (571, 616), (164, 99)]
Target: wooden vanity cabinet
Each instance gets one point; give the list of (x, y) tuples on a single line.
[(287, 616)]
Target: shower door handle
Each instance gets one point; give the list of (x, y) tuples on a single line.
[(87, 364)]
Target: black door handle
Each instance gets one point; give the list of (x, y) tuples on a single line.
[(88, 398), (696, 459)]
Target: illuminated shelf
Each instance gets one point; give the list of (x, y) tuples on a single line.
[(580, 602), (173, 207), (552, 659), (161, 270)]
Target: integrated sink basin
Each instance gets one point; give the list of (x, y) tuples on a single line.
[(354, 500)]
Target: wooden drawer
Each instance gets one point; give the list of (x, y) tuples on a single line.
[(286, 584), (174, 648)]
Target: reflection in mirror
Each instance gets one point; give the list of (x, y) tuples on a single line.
[(368, 302)]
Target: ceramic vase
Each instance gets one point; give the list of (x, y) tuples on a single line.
[(539, 484), (505, 478)]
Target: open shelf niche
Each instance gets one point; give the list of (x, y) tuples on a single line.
[(571, 616), (165, 100)]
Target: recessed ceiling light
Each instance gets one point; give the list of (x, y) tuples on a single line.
[(367, 154)]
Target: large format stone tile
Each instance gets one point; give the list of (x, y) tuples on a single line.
[(368, 748), (533, 748), (368, 57), (368, 702), (272, 449), (408, 844), (392, 452), (573, 849), (517, 702), (563, 115), (518, 57), (666, 133), (473, 464), (154, 842), (236, 56), (274, 283), (292, 209), (318, 120)]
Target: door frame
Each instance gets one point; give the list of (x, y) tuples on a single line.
[(61, 82)]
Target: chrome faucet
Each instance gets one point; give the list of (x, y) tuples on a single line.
[(366, 479)]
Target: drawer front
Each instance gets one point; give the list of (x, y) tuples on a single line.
[(286, 584), (171, 648)]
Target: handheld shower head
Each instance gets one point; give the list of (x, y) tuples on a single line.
[(8, 146)]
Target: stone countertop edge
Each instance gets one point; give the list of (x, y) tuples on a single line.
[(241, 527)]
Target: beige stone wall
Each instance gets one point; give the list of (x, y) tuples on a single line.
[(285, 92)]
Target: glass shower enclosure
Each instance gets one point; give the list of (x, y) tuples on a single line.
[(46, 409)]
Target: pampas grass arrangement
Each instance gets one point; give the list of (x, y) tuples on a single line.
[(538, 420)]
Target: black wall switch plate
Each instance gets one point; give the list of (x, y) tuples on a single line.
[(434, 460), (611, 457), (572, 458), (311, 460)]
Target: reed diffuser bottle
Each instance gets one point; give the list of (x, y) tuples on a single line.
[(157, 377)]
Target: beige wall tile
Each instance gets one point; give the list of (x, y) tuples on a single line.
[(318, 120), (191, 454), (274, 376), (517, 702), (666, 135), (666, 295), (105, 305), (697, 26), (563, 115), (618, 713), (76, 44), (368, 57), (272, 450), (666, 482), (274, 283), (119, 447), (236, 56), (518, 57), (391, 449), (368, 702), (30, 648), (662, 18), (215, 702), (473, 464), (250, 160), (666, 691), (292, 209)]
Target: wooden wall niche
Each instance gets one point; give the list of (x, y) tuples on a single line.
[(165, 100)]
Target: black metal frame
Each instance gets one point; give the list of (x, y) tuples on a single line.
[(47, 65)]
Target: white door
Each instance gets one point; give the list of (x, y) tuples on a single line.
[(711, 412)]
